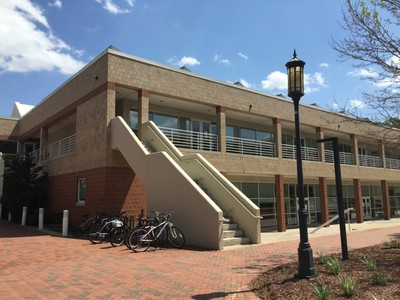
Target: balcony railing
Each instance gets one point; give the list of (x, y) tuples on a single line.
[(289, 151), (346, 158), (392, 163), (191, 139), (35, 155), (250, 147), (60, 148), (370, 161)]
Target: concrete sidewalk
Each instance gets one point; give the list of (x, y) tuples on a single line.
[(36, 265)]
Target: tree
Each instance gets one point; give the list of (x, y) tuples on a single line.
[(24, 185), (373, 43)]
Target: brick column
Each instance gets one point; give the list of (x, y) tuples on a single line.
[(280, 203), (323, 196), (278, 137), (321, 146), (221, 129), (358, 201), (43, 142), (354, 149), (143, 110), (385, 199)]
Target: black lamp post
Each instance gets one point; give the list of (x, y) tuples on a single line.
[(295, 69)]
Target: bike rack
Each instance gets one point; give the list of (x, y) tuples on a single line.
[(346, 211)]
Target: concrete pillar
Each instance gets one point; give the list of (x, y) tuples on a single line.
[(280, 203), (143, 109), (385, 199), (358, 201), (354, 149), (221, 129), (65, 223), (382, 155), (323, 196), (43, 142), (41, 218), (277, 137), (321, 146)]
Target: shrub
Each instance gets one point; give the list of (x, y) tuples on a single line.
[(348, 285), (392, 244), (397, 259), (321, 291), (322, 258), (379, 278), (370, 263), (334, 265)]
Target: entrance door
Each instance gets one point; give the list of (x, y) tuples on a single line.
[(201, 135), (307, 207), (366, 203)]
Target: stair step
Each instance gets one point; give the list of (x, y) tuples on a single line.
[(236, 241), (229, 226), (232, 233)]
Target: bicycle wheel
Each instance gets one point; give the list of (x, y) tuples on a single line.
[(176, 237), (139, 240), (95, 236), (117, 236)]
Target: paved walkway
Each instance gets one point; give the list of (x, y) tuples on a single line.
[(36, 265)]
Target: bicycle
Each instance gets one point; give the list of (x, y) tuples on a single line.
[(142, 238), (87, 222), (113, 228)]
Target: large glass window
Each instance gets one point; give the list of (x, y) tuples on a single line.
[(9, 147), (168, 121), (133, 119)]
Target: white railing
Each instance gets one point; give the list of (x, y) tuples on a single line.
[(191, 139), (35, 155), (392, 163), (346, 158), (60, 148), (289, 151), (370, 161), (249, 147)]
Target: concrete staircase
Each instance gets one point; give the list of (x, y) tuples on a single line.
[(232, 235)]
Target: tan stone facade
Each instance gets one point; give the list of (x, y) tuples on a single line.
[(199, 109)]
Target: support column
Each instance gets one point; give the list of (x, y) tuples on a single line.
[(358, 201), (382, 155), (323, 196), (354, 149), (278, 137), (385, 199), (43, 142), (221, 129), (321, 146), (143, 110), (280, 203)]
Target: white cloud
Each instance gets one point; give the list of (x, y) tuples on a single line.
[(219, 59), (324, 65), (117, 8), (356, 104), (246, 83), (275, 80), (56, 4), (245, 57), (184, 61), (278, 81), (31, 45), (363, 73)]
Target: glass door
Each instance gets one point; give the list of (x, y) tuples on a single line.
[(366, 203)]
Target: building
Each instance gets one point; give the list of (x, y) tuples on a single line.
[(126, 133)]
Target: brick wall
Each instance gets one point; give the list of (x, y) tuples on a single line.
[(108, 190)]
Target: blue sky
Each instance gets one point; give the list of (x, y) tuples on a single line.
[(44, 42)]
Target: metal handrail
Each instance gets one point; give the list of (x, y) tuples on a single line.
[(346, 158), (370, 161), (307, 153), (249, 146), (346, 211), (392, 163), (191, 139)]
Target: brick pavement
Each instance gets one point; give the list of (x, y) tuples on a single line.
[(35, 265)]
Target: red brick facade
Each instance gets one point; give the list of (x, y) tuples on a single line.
[(280, 203), (110, 190)]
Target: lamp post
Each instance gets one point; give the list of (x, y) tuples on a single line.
[(295, 69)]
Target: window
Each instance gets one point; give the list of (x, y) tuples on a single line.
[(8, 147), (81, 191)]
